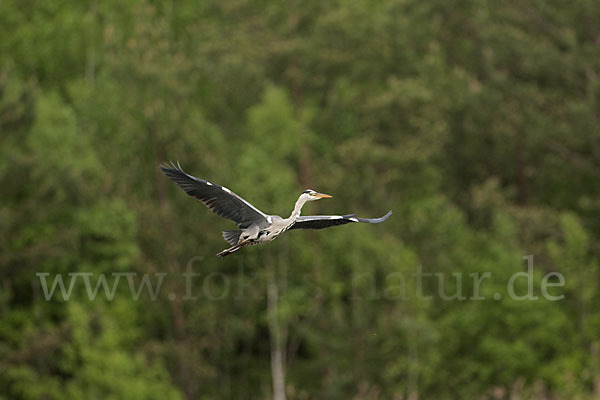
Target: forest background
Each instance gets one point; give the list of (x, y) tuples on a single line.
[(476, 122)]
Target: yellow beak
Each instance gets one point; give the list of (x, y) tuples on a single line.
[(323, 196)]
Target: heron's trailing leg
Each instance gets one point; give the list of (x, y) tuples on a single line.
[(242, 243), (228, 251)]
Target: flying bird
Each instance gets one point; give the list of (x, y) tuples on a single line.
[(254, 226)]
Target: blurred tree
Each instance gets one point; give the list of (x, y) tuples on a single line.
[(475, 121)]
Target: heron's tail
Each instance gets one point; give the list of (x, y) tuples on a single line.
[(232, 237)]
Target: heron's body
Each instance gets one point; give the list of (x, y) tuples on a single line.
[(254, 226)]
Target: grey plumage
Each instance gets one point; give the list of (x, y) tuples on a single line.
[(255, 227), (325, 221), (217, 198)]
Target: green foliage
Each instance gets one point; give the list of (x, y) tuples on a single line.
[(475, 121)]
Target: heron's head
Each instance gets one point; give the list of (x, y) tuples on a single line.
[(311, 195)]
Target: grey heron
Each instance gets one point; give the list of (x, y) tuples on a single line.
[(254, 226)]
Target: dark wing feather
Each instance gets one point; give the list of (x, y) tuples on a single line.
[(325, 221), (218, 199)]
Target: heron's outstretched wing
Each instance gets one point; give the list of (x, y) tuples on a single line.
[(325, 221), (218, 199)]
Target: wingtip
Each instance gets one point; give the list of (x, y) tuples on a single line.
[(170, 165), (386, 216)]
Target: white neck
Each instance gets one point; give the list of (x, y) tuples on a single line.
[(297, 208)]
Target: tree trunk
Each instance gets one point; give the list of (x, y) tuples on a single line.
[(277, 350)]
